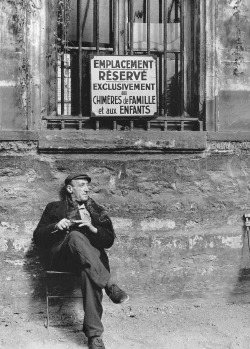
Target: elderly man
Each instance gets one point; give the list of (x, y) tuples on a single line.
[(76, 231)]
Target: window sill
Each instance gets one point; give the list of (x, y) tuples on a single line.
[(118, 141), (19, 136), (240, 136)]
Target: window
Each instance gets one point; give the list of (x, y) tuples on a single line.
[(168, 30)]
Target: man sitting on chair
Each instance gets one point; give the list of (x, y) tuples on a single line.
[(76, 231)]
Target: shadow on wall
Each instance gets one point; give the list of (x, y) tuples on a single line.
[(241, 291)]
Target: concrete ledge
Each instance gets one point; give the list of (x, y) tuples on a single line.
[(228, 136), (18, 136), (127, 139), (101, 141)]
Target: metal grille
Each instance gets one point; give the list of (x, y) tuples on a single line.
[(92, 27)]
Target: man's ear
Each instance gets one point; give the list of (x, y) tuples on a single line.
[(69, 188)]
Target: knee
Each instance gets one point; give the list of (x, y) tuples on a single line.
[(74, 237)]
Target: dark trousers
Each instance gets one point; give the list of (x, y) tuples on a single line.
[(76, 254)]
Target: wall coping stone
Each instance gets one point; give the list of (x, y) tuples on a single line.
[(240, 136), (136, 141), (19, 136)]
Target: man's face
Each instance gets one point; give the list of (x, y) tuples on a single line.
[(79, 189)]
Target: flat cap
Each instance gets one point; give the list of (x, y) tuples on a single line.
[(77, 176)]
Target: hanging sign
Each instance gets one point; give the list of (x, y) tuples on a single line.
[(123, 86)]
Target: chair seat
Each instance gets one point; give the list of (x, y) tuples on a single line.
[(51, 272)]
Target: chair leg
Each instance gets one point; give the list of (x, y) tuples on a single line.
[(49, 295), (46, 324)]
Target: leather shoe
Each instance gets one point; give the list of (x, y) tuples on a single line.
[(96, 343), (116, 295)]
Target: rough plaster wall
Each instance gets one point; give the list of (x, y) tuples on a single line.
[(228, 33), (22, 64), (178, 218), (234, 73), (10, 115)]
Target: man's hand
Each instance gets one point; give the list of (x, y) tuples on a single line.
[(86, 223), (63, 224)]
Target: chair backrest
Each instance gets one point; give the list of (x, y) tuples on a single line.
[(247, 220)]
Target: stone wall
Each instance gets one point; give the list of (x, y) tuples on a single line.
[(178, 217)]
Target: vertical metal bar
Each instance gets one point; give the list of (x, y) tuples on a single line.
[(62, 84), (176, 80), (68, 84), (131, 27), (176, 11), (148, 27), (194, 53), (126, 21), (176, 65), (202, 59), (160, 75), (144, 11), (116, 29), (111, 22), (62, 57), (97, 18), (160, 11), (79, 37), (182, 55), (160, 63), (165, 56)]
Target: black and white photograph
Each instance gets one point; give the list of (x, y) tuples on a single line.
[(125, 174)]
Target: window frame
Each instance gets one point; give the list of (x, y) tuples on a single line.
[(119, 40)]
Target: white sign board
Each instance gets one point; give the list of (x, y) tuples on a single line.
[(123, 86)]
